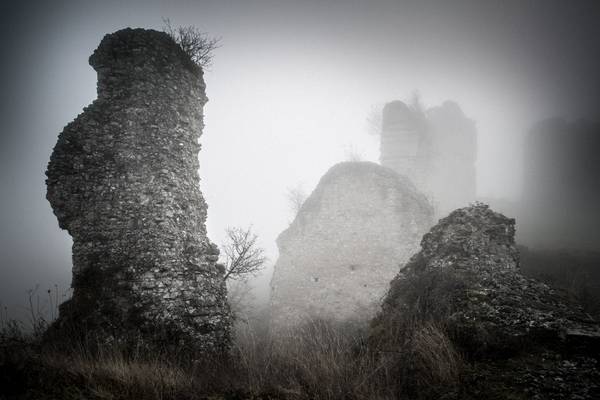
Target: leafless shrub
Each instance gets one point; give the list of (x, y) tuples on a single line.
[(243, 256), (296, 196), (196, 44)]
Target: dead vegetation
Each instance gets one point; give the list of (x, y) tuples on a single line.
[(318, 360), (408, 355), (198, 45)]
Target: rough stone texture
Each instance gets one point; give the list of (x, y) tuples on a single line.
[(348, 240), (436, 149), (123, 181), (523, 338)]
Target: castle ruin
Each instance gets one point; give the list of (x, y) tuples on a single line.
[(435, 148), (360, 224), (123, 181), (465, 285)]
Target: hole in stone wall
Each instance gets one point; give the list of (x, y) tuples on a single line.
[(315, 279)]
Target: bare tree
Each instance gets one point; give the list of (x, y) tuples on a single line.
[(243, 256), (296, 197), (195, 43)]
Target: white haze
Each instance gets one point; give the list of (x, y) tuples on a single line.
[(290, 91)]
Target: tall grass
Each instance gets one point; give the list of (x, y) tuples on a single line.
[(319, 359), (110, 374)]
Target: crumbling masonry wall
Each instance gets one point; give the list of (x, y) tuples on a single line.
[(435, 148), (348, 240), (521, 335), (123, 181)]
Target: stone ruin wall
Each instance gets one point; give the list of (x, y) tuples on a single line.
[(523, 335), (436, 150), (123, 181), (349, 239)]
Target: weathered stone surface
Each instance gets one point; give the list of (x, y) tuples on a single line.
[(123, 181), (348, 240), (520, 335), (435, 148)]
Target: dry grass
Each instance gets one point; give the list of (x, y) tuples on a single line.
[(433, 357), (318, 360), (112, 376), (331, 360), (411, 333)]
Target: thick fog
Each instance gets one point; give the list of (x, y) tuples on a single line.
[(291, 90)]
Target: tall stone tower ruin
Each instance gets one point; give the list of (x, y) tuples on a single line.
[(123, 181), (436, 149), (350, 237)]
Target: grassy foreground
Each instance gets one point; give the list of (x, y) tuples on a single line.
[(319, 360)]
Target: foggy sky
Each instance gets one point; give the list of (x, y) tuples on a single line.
[(289, 93)]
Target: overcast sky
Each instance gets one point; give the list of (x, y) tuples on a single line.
[(290, 90)]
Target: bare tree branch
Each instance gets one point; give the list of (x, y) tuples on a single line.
[(195, 43), (243, 257), (296, 197)]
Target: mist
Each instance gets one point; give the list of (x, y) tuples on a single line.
[(290, 92)]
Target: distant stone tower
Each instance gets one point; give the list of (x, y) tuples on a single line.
[(350, 237), (403, 142), (123, 181), (436, 149)]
